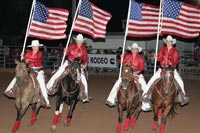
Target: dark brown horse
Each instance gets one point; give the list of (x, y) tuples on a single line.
[(67, 91), (128, 98), (163, 98), (26, 93)]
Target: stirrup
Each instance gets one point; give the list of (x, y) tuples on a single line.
[(10, 94), (145, 98)]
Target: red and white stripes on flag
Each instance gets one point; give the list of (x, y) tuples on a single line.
[(143, 21), (92, 20), (48, 23), (180, 19)]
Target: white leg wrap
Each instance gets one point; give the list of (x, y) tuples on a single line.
[(61, 107), (11, 85), (142, 82), (179, 80), (57, 75), (112, 96), (40, 79), (151, 81), (85, 85), (56, 112)]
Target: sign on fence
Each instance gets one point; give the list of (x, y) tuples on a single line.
[(102, 60)]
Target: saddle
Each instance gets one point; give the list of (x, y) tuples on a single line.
[(34, 79)]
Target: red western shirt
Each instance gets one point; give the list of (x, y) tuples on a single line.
[(168, 57), (73, 51), (136, 61), (35, 60)]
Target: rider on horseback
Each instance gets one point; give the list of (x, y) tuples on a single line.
[(135, 60), (74, 51), (34, 58), (168, 56)]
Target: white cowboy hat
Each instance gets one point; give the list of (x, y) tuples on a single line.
[(79, 37), (135, 45), (35, 43), (170, 38)]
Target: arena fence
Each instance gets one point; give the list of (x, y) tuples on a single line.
[(100, 60)]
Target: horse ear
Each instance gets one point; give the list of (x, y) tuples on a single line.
[(16, 61)]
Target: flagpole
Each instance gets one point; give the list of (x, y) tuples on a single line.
[(124, 43), (158, 33), (70, 33), (28, 26)]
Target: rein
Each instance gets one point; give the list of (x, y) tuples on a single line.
[(71, 92)]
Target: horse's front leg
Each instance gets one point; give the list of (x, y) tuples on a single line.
[(164, 118), (157, 114), (21, 109), (120, 118), (58, 112), (70, 112), (33, 114), (136, 115), (128, 118), (17, 122)]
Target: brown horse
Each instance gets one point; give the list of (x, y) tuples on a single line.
[(128, 98), (164, 94), (27, 92)]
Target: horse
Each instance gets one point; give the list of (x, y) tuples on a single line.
[(27, 92), (128, 97), (164, 95), (68, 89)]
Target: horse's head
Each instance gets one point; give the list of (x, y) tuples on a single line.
[(167, 76), (76, 71), (127, 76), (21, 69)]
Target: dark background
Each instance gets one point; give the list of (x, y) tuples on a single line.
[(15, 13)]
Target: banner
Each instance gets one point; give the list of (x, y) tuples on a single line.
[(102, 60)]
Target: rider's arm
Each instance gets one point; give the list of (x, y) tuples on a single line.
[(85, 57), (174, 59)]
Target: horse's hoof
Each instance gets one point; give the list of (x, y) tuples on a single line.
[(67, 122), (53, 128), (154, 131)]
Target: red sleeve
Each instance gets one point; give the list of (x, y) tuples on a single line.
[(125, 59), (140, 66), (27, 55), (175, 58), (70, 47), (160, 55), (85, 56)]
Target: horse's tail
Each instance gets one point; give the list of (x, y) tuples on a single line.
[(173, 111)]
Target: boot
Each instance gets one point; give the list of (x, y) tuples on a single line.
[(184, 101), (84, 98), (145, 98), (43, 103), (11, 93)]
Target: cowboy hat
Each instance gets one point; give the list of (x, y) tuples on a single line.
[(79, 37), (35, 43), (169, 39), (135, 45)]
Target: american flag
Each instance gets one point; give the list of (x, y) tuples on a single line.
[(92, 20), (48, 23), (180, 19), (143, 21)]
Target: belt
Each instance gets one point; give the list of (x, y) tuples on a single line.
[(36, 68)]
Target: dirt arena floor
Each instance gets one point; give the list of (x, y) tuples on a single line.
[(96, 117)]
